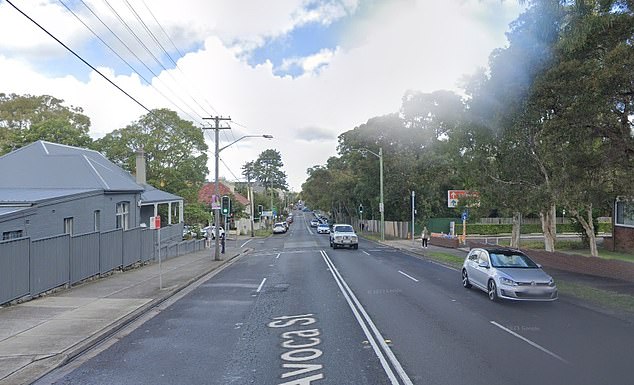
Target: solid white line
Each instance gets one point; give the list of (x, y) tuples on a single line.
[(278, 255), (441, 265), (261, 284), (242, 245), (365, 252), (408, 276), (530, 342), (388, 352), (355, 312)]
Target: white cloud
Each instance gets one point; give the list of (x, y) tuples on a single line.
[(423, 45)]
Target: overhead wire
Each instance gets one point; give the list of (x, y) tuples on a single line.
[(145, 47), (120, 57)]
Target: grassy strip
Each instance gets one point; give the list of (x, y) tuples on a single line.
[(606, 298), (446, 258)]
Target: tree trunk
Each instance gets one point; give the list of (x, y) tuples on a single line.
[(515, 233), (588, 227), (549, 227)]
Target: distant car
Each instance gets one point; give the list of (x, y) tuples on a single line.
[(343, 235), (314, 223), (210, 232), (323, 228), (279, 228), (508, 274)]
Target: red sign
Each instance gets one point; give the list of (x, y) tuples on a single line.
[(454, 196), (155, 222)]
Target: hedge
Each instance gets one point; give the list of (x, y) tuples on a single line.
[(493, 229)]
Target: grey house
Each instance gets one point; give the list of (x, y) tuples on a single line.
[(47, 189)]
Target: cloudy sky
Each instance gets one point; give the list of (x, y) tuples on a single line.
[(303, 71)]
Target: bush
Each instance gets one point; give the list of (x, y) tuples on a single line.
[(492, 229)]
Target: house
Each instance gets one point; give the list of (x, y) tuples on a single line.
[(622, 226), (242, 225), (48, 189)]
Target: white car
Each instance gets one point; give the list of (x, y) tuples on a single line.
[(210, 232), (507, 273), (323, 228), (343, 235), (279, 228)]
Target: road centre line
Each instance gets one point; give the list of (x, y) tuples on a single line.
[(530, 342), (242, 245), (278, 255), (357, 308), (261, 284), (408, 276), (365, 252)]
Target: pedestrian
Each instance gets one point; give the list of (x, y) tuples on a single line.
[(362, 226), (425, 236)]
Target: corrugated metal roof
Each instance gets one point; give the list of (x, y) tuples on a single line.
[(153, 195), (34, 195), (52, 166)]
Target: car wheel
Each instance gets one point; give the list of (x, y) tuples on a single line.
[(465, 279), (356, 247), (492, 290), (334, 246)]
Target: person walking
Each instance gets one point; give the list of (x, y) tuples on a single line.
[(425, 236)]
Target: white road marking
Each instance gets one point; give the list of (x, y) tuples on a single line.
[(441, 265), (357, 308), (261, 284), (408, 276), (278, 255), (365, 252), (242, 245), (530, 342)]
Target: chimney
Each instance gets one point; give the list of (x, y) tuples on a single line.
[(140, 167)]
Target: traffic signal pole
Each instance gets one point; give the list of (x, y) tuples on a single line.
[(217, 128)]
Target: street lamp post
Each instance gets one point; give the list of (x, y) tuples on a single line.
[(381, 203), (217, 189)]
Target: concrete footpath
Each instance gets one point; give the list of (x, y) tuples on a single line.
[(42, 334)]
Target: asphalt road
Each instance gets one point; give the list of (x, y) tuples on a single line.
[(296, 311)]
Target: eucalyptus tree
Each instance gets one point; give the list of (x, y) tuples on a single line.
[(174, 148), (26, 118)]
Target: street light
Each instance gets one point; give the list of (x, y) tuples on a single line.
[(217, 189), (381, 205)]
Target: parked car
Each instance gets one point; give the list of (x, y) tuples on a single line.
[(508, 274), (323, 228), (279, 228), (210, 232), (343, 235), (314, 223)]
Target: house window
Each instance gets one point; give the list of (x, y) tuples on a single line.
[(123, 215), (68, 226), (97, 216), (624, 211), (11, 235)]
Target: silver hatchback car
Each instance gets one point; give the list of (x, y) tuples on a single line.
[(508, 274)]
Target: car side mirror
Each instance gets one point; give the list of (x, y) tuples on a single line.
[(484, 265)]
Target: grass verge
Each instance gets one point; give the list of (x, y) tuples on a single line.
[(601, 297), (446, 258)]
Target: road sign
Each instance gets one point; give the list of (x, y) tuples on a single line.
[(465, 215), (454, 196)]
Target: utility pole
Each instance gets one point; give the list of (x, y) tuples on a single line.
[(217, 128)]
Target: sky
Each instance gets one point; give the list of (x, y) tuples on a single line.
[(304, 71)]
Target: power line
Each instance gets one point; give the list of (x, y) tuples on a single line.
[(78, 56), (120, 57)]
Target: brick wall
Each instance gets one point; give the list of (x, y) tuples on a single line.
[(623, 238)]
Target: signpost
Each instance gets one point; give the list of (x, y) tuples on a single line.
[(155, 223), (454, 196)]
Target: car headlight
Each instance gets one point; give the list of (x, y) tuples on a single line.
[(551, 282), (507, 281)]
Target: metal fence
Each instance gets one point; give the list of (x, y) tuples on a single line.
[(31, 267)]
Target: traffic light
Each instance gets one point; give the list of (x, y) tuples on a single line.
[(260, 208), (226, 205), (360, 209)]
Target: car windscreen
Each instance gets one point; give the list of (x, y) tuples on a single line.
[(511, 259), (344, 229)]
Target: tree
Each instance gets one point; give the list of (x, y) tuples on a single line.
[(25, 119), (267, 169), (175, 151)]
